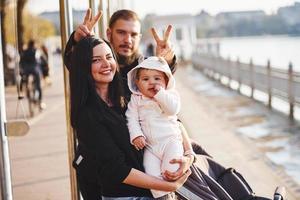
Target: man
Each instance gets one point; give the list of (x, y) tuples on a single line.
[(29, 65)]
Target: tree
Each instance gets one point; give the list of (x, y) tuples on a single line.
[(17, 32), (20, 28), (3, 39), (36, 27)]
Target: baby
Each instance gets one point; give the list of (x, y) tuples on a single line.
[(152, 116)]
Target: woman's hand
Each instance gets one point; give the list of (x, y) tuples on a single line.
[(185, 162), (86, 28)]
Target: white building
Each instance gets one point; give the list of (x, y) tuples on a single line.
[(291, 14), (229, 17)]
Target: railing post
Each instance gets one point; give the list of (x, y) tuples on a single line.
[(269, 84), (229, 71), (214, 67), (211, 71), (217, 69), (251, 78), (291, 91), (239, 74)]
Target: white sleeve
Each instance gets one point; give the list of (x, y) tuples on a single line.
[(132, 116), (169, 101)]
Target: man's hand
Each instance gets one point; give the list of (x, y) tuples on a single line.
[(139, 142), (163, 46), (86, 28), (184, 162)]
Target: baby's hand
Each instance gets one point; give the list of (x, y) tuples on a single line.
[(157, 88), (139, 142)]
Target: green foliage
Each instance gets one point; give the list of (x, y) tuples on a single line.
[(34, 27)]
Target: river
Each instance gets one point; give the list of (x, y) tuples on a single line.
[(279, 49)]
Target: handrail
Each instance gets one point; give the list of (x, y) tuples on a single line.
[(283, 84)]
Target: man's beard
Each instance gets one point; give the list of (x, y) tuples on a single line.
[(127, 60)]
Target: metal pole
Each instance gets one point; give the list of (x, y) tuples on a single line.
[(95, 8), (108, 10), (6, 188), (66, 28), (104, 18)]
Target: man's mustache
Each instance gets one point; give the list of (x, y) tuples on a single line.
[(125, 46)]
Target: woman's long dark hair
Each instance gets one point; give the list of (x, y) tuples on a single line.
[(82, 84)]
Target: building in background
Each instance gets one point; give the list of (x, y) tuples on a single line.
[(291, 14)]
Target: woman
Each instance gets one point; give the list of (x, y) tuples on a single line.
[(105, 158)]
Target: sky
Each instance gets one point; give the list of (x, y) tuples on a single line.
[(165, 7)]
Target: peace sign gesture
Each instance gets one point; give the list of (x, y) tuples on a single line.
[(86, 28), (163, 46)]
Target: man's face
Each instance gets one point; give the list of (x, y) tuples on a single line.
[(125, 37)]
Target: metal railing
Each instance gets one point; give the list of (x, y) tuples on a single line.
[(283, 84)]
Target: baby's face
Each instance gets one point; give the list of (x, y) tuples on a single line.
[(149, 80)]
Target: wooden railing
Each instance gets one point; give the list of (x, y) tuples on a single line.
[(283, 84)]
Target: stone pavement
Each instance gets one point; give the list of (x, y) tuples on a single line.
[(39, 162)]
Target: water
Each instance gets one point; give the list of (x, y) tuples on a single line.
[(279, 49), (271, 131)]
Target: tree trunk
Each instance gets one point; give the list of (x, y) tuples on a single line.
[(3, 36), (7, 77), (20, 28)]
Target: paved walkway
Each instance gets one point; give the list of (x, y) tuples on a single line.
[(206, 121), (39, 160)]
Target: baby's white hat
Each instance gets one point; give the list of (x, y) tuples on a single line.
[(153, 62)]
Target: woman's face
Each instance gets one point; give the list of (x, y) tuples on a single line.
[(103, 64)]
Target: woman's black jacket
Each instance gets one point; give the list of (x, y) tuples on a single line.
[(107, 154)]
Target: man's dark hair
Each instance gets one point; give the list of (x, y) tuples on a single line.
[(27, 58), (82, 84), (123, 14)]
